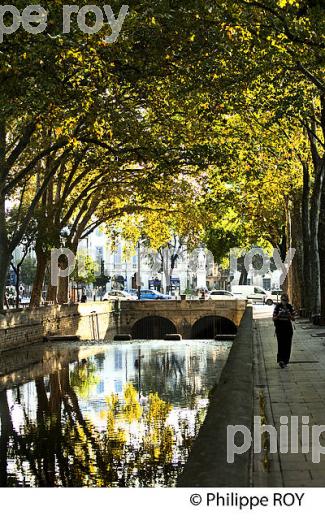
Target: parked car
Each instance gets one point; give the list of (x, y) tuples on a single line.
[(118, 295), (217, 294), (275, 295), (151, 294), (254, 293)]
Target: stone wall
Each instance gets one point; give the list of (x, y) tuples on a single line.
[(90, 321)]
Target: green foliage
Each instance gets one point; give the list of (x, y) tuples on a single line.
[(85, 269), (193, 123), (83, 378), (28, 270)]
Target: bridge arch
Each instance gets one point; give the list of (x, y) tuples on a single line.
[(208, 327), (153, 327)]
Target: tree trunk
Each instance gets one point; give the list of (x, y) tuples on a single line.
[(42, 259), (4, 267), (51, 294), (243, 273), (294, 280), (314, 225), (306, 241), (17, 286), (5, 253), (321, 242), (297, 263), (166, 270), (63, 284), (287, 285), (243, 277)]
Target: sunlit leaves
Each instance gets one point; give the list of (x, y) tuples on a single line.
[(131, 409)]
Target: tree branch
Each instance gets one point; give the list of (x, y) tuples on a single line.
[(20, 232), (22, 145), (25, 171), (311, 76), (286, 29)]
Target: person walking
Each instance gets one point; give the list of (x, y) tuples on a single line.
[(283, 316)]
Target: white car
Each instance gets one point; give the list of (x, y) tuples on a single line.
[(118, 295), (217, 294), (253, 293)]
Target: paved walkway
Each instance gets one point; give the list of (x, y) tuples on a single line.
[(297, 391)]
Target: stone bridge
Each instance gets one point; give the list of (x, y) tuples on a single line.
[(193, 319)]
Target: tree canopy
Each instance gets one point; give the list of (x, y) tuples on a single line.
[(209, 114)]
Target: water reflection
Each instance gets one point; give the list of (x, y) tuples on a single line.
[(125, 416)]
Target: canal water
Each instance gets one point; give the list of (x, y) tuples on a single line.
[(104, 415)]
